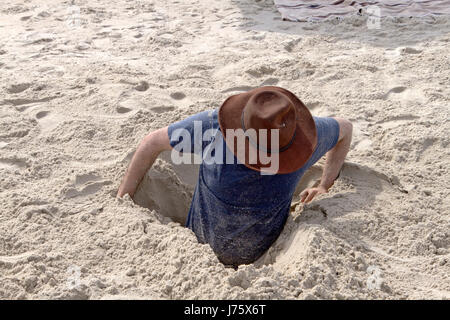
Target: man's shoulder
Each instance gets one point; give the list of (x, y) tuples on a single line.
[(326, 125), (208, 116)]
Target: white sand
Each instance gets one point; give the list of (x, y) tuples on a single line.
[(75, 101)]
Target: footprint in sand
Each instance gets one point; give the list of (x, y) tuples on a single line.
[(239, 88), (405, 95), (269, 82), (162, 109), (39, 214), (409, 50), (399, 89), (37, 210), (21, 101), (177, 95), (81, 179), (48, 120), (12, 164), (129, 105), (142, 86), (121, 109), (56, 71), (85, 185), (16, 128), (34, 38), (397, 121), (42, 114), (18, 88), (20, 259), (260, 71)]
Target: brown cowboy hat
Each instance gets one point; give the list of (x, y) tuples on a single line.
[(268, 108)]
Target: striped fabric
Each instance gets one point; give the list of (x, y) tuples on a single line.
[(306, 10)]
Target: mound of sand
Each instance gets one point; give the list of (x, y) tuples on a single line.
[(81, 88)]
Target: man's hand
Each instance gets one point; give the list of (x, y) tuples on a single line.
[(308, 194)]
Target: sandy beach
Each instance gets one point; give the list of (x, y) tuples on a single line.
[(80, 89)]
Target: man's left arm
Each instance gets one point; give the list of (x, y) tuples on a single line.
[(334, 161)]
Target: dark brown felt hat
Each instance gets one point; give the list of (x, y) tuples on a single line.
[(269, 108)]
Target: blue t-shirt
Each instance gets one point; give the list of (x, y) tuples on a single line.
[(236, 210)]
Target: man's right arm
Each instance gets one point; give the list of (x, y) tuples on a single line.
[(334, 161), (336, 156), (144, 157)]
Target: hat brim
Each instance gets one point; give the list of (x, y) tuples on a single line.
[(291, 159)]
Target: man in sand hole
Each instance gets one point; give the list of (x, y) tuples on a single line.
[(254, 150)]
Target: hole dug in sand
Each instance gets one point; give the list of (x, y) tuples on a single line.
[(168, 189), (308, 232)]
